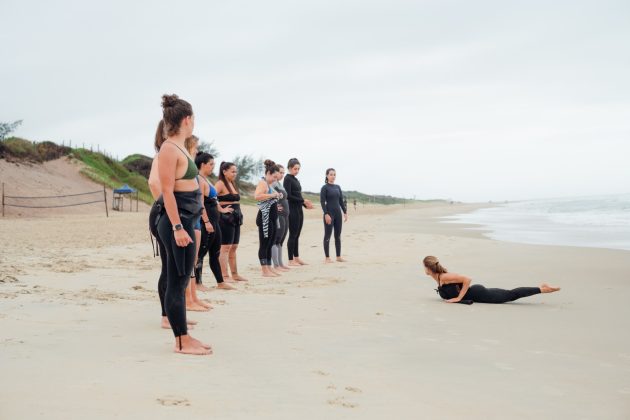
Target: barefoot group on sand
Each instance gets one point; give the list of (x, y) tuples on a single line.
[(192, 219)]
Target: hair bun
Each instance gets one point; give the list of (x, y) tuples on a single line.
[(169, 100), (269, 162)]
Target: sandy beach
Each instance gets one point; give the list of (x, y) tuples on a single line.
[(367, 339)]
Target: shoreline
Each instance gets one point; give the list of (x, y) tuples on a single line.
[(364, 339)]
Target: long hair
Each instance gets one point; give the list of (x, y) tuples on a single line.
[(224, 167), (433, 264), (159, 136)]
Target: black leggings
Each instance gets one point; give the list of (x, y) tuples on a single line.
[(283, 229), (211, 245), (264, 249), (296, 221), (481, 294), (179, 266), (328, 229)]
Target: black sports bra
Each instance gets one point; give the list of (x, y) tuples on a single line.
[(230, 197)]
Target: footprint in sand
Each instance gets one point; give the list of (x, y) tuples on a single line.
[(172, 401), (353, 389), (341, 402), (321, 373)]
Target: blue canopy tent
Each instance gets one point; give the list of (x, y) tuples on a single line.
[(119, 194)]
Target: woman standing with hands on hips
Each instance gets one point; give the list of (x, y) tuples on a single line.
[(182, 205), (333, 205), (296, 214)]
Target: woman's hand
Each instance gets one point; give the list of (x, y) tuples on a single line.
[(345, 217), (308, 204), (280, 208), (454, 300), (327, 219), (182, 238), (209, 227), (227, 209)]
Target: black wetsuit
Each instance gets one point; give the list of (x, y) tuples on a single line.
[(231, 222), (296, 214), (156, 209), (481, 294), (210, 242), (179, 260), (331, 199)]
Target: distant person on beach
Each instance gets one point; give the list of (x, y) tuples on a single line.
[(267, 218), (193, 303), (283, 222), (335, 209), (296, 214), (211, 235), (230, 222), (456, 288), (156, 192), (182, 206), (354, 202)]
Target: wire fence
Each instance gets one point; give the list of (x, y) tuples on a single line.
[(35, 205)]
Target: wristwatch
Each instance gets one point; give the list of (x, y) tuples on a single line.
[(177, 227)]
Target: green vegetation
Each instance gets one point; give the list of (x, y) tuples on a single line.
[(138, 163), (112, 174), (20, 149)]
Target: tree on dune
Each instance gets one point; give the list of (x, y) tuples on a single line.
[(8, 128)]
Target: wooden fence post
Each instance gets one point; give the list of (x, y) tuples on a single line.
[(3, 199), (105, 199)]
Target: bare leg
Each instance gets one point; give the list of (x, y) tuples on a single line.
[(233, 265), (224, 261)]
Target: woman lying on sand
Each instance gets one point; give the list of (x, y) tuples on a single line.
[(456, 288)]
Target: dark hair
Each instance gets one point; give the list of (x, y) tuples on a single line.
[(174, 111), (293, 162), (327, 172), (202, 158), (224, 167), (159, 136), (271, 167)]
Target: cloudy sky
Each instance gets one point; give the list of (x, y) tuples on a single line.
[(474, 101)]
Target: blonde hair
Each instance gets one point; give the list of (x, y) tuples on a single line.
[(433, 264), (190, 143)]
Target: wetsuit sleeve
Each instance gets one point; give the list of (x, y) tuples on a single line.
[(322, 198), (341, 202), (292, 195)]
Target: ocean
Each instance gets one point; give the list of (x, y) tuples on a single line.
[(597, 222)]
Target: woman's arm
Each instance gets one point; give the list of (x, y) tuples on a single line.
[(261, 193), (154, 179), (167, 168), (447, 278), (322, 198)]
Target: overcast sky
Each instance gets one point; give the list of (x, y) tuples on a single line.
[(469, 100)]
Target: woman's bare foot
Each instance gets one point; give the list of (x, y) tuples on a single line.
[(238, 277), (545, 288), (274, 272), (266, 271), (195, 307), (327, 260), (185, 344), (286, 267), (224, 286), (300, 261), (191, 322), (203, 303), (201, 343), (340, 259), (281, 268), (202, 288), (294, 263)]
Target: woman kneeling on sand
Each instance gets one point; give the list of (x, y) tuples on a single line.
[(456, 288)]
